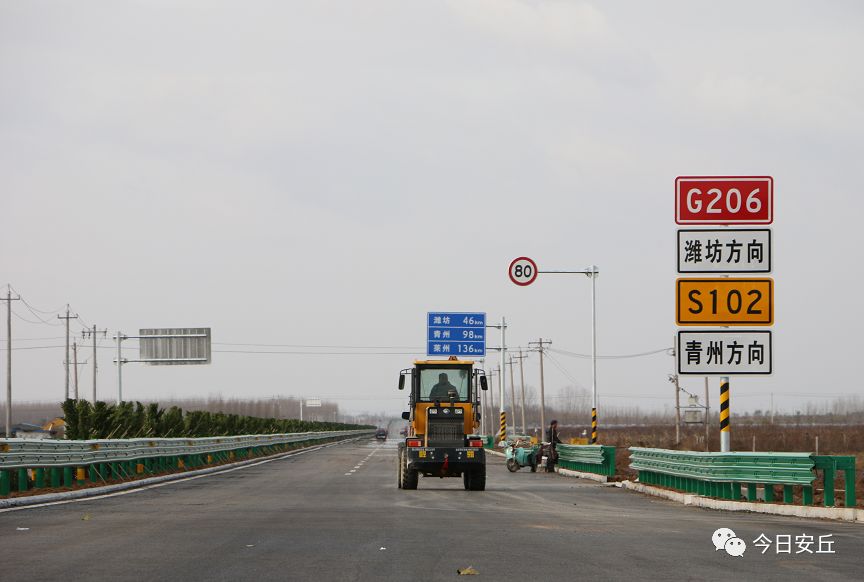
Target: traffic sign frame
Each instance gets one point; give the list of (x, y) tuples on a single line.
[(724, 185), (707, 334), (765, 235), (513, 266), (753, 283), (445, 336)]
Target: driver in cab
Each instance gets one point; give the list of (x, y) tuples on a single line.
[(441, 390)]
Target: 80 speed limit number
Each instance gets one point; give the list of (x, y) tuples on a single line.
[(523, 271)]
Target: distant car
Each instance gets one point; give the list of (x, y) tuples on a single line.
[(381, 434)]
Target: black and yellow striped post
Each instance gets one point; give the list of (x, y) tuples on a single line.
[(593, 426), (502, 433), (725, 433)]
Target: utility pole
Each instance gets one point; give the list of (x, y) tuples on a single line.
[(9, 299), (521, 357), (512, 395), (67, 317), (75, 360), (677, 412), (502, 433), (707, 408), (772, 408), (540, 345), (119, 338), (92, 333)]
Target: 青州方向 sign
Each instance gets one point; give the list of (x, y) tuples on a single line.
[(724, 352), (456, 334)]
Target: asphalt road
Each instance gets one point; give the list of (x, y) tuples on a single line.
[(336, 514)]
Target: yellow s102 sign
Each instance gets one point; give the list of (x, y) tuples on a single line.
[(727, 301)]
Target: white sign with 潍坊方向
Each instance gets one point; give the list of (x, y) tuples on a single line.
[(737, 250)]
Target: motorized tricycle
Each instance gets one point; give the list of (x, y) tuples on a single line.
[(521, 453)]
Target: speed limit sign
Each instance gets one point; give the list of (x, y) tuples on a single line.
[(523, 271)]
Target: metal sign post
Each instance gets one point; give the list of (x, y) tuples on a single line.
[(165, 346), (523, 271), (724, 302)]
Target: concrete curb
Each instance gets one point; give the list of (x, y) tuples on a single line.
[(581, 475), (141, 483), (836, 513)]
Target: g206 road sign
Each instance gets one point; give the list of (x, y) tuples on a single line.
[(724, 352), (724, 200), (732, 301), (455, 334), (522, 271)]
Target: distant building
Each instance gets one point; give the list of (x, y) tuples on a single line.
[(24, 430)]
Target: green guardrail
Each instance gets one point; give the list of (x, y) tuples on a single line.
[(31, 465), (830, 466), (598, 459), (723, 475)]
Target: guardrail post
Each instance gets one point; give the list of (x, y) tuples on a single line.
[(22, 480), (751, 492), (788, 496), (95, 472), (849, 480), (55, 477), (5, 482), (39, 477), (80, 475), (807, 495), (829, 486), (68, 480), (769, 492)]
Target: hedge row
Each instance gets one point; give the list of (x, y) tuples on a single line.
[(135, 420)]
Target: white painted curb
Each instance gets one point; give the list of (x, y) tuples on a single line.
[(140, 483), (581, 475), (835, 513)]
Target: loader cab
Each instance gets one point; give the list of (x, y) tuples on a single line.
[(444, 383)]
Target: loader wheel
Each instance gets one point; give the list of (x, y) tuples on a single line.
[(409, 477), (512, 465), (399, 469), (477, 479)]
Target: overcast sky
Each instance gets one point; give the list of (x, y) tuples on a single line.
[(324, 173)]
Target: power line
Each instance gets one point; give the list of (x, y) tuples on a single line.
[(614, 357), (319, 346), (40, 322)]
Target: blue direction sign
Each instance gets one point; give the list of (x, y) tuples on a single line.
[(456, 334)]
